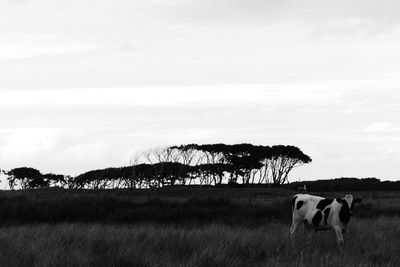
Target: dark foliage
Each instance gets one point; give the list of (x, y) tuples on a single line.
[(26, 177), (124, 206), (348, 184), (28, 208)]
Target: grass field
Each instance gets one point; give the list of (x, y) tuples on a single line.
[(186, 227), (369, 242)]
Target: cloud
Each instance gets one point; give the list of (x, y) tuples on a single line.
[(383, 127), (127, 74), (275, 10), (17, 46), (320, 17), (226, 95), (194, 42), (24, 143), (74, 130)]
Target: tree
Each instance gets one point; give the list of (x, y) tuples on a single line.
[(209, 164), (55, 179), (283, 159), (211, 159), (90, 179), (245, 160), (131, 177), (27, 178), (157, 157)]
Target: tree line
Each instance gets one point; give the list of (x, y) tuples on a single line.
[(346, 184), (208, 164)]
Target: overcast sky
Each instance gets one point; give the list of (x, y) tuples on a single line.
[(85, 84)]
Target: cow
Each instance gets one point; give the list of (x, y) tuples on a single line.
[(320, 213)]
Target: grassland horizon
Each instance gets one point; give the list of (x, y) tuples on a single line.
[(186, 227)]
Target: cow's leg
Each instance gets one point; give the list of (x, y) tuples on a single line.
[(307, 227), (339, 236), (307, 230), (293, 229)]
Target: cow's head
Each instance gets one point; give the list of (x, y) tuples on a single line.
[(346, 210), (352, 202)]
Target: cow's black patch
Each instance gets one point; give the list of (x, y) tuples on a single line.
[(323, 203), (293, 201), (326, 214), (344, 213), (317, 218), (299, 204)]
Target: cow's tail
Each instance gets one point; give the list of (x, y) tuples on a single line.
[(294, 202)]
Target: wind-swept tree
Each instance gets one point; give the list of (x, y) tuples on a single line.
[(212, 161), (158, 157), (25, 177), (283, 159), (209, 164), (131, 178), (55, 179), (246, 162)]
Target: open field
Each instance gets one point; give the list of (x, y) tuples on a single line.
[(186, 227), (370, 242), (254, 206)]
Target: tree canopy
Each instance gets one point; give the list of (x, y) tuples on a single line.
[(206, 164)]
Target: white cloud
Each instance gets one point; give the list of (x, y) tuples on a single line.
[(17, 46), (259, 11), (226, 95), (25, 143), (383, 127), (320, 75)]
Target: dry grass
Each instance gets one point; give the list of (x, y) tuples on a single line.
[(370, 242)]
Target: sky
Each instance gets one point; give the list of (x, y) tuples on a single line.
[(86, 84)]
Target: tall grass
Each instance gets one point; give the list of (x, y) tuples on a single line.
[(369, 242), (24, 208)]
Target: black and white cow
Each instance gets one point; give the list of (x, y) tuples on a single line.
[(321, 213)]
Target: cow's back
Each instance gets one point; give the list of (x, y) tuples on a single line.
[(305, 201), (313, 210)]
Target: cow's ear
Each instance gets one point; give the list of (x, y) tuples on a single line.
[(357, 200), (339, 200)]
